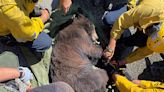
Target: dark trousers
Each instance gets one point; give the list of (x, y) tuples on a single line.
[(42, 43), (125, 45), (138, 39)]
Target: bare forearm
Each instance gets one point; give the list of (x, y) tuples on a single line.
[(8, 74), (109, 51), (112, 43)]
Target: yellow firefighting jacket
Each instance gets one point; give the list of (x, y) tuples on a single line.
[(124, 85), (133, 3), (143, 15), (14, 19)]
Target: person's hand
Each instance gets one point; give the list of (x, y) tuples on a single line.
[(114, 62), (66, 4), (25, 75), (118, 62), (137, 82), (108, 53), (44, 15)]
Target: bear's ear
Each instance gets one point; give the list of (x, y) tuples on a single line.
[(78, 15), (78, 18)]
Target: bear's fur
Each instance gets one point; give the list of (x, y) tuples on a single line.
[(70, 62)]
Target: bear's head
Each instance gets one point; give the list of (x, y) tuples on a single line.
[(89, 27)]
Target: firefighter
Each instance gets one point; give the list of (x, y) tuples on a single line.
[(148, 17), (15, 22), (125, 85)]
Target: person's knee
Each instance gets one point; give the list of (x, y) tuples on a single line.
[(111, 16), (42, 43)]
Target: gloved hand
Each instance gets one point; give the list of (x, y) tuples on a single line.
[(25, 75), (119, 63), (110, 69)]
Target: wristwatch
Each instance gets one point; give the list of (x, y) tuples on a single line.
[(109, 50)]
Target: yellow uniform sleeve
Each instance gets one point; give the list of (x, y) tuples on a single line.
[(151, 84), (141, 16), (124, 85), (138, 54), (20, 25), (123, 22)]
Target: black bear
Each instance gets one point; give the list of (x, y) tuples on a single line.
[(70, 57)]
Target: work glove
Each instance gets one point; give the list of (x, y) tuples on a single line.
[(25, 75), (107, 66), (110, 69)]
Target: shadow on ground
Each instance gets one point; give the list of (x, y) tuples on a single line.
[(153, 72)]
